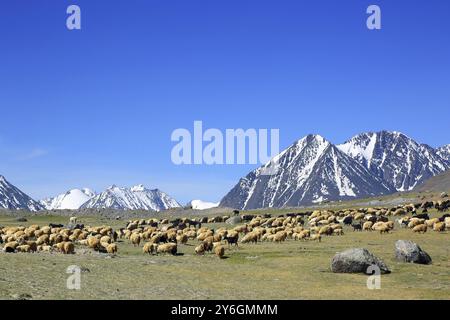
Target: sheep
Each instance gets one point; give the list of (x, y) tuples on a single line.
[(383, 228), (327, 230), (202, 236), (73, 220), (367, 226), (45, 248), (44, 239), (208, 245), (183, 239), (250, 237), (439, 227), (415, 222), (304, 234), (93, 243), (68, 247), (10, 246), (390, 224), (447, 222), (33, 245), (148, 248), (167, 248), (200, 249), (111, 248), (431, 222), (421, 228), (317, 237), (280, 236), (241, 229), (23, 248), (338, 232), (135, 239), (219, 251), (105, 239)]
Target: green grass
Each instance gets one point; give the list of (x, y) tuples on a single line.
[(290, 270)]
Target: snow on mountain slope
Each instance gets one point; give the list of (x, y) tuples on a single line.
[(444, 152), (201, 205), (395, 158), (134, 198), (309, 171), (14, 199), (71, 200)]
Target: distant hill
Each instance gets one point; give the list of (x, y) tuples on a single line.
[(438, 183)]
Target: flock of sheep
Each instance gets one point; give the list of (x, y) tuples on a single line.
[(164, 236)]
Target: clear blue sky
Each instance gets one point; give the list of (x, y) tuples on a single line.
[(97, 107)]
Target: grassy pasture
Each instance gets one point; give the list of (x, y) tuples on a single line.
[(290, 270)]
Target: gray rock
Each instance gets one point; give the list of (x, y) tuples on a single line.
[(408, 251), (356, 261), (234, 220)]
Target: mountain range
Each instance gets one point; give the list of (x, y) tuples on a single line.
[(310, 171), (134, 198), (313, 170)]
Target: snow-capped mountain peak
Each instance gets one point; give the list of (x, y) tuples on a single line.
[(13, 198), (311, 170), (71, 200), (395, 158), (135, 198)]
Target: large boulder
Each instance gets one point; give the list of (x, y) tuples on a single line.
[(356, 260), (234, 220), (408, 251)]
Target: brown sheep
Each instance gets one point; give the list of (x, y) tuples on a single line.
[(44, 239), (200, 249), (148, 248), (431, 222), (68, 248), (183, 239), (167, 248), (280, 236), (219, 251), (439, 227), (111, 248), (93, 243), (327, 230), (367, 226), (421, 228), (135, 239), (317, 237), (250, 237)]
